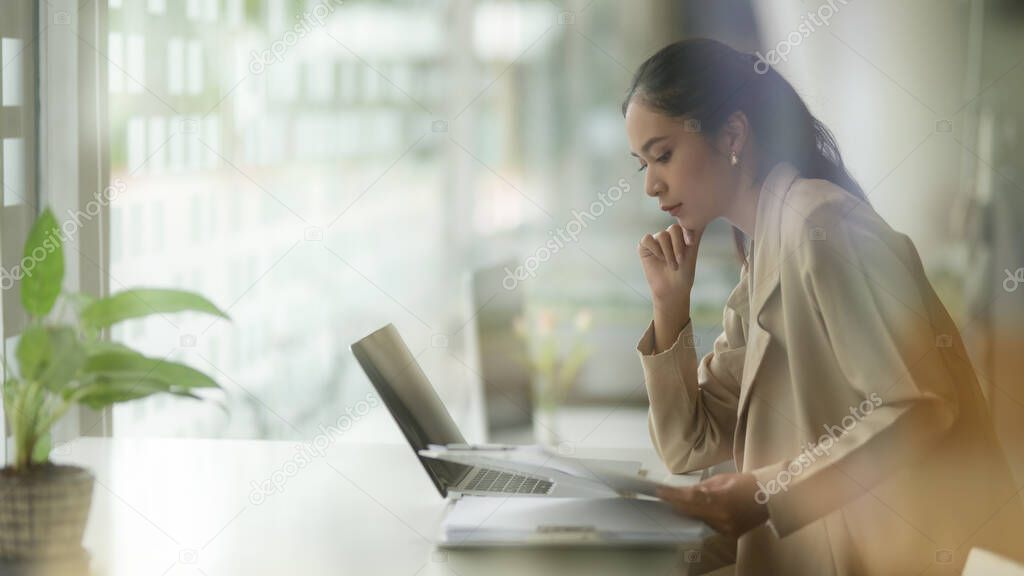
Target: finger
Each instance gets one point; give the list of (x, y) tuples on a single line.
[(666, 494), (688, 510), (676, 232), (665, 240), (682, 499), (651, 245), (641, 248), (703, 495)]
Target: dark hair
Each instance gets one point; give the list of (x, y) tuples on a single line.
[(707, 81)]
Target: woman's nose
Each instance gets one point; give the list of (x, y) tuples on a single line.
[(652, 186)]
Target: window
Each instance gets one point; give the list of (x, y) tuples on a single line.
[(319, 170), (17, 156)]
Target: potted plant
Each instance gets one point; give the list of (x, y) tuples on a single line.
[(61, 361)]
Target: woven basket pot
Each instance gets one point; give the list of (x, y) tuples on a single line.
[(43, 512)]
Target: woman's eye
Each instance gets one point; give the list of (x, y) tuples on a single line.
[(662, 159)]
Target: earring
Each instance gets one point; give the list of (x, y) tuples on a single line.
[(733, 160)]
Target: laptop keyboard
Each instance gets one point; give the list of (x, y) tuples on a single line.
[(507, 483)]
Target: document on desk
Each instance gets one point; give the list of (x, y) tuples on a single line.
[(504, 522)]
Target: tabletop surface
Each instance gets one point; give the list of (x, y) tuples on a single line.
[(168, 507)]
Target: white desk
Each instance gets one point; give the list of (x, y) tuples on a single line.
[(182, 507)]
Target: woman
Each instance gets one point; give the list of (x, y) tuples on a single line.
[(839, 385)]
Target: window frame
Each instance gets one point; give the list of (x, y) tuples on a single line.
[(73, 167), (19, 21)]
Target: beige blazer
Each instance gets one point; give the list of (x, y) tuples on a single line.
[(842, 384)]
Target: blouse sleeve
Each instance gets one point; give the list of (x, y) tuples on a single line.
[(693, 403)]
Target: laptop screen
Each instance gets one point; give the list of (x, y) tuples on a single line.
[(411, 400)]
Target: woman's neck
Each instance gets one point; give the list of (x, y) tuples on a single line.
[(743, 211)]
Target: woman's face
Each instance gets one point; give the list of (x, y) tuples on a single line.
[(681, 168)]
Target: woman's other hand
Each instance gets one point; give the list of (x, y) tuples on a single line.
[(726, 502)]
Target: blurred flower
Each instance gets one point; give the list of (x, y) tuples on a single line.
[(583, 319), (545, 322), (554, 358), (519, 325)]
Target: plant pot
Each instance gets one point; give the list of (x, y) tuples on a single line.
[(43, 512)]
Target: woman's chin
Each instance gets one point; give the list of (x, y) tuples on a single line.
[(689, 222)]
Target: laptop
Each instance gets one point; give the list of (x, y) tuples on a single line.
[(427, 425)]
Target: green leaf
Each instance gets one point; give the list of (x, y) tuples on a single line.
[(42, 266), (68, 357), (112, 389), (98, 346), (41, 451), (50, 355), (125, 363), (11, 388), (34, 352), (142, 302)]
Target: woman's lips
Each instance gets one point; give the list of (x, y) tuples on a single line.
[(673, 210)]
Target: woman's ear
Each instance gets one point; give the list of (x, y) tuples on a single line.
[(733, 135)]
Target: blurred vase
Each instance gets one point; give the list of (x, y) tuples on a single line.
[(545, 425)]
